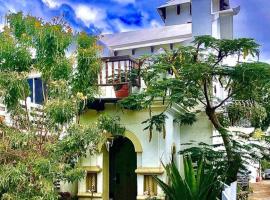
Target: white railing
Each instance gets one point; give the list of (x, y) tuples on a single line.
[(230, 192), (31, 108)]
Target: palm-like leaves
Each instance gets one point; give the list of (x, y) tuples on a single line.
[(202, 183)]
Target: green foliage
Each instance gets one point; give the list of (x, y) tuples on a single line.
[(88, 66), (117, 80), (202, 183), (186, 118), (13, 57), (111, 124), (13, 87), (265, 164), (60, 111), (134, 102), (240, 111), (79, 141), (196, 70), (44, 144), (29, 166), (157, 121)]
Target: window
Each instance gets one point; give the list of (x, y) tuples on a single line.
[(178, 9), (133, 52), (91, 182), (190, 9), (163, 11), (171, 46), (224, 5), (150, 185), (35, 85), (152, 49), (115, 53)]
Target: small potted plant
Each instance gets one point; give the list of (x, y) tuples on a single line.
[(121, 83)]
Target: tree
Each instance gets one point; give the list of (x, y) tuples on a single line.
[(43, 144), (196, 70)]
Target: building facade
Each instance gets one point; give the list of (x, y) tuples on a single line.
[(123, 168)]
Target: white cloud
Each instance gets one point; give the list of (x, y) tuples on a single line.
[(155, 24), (122, 27), (124, 1), (52, 3), (92, 15), (89, 14)]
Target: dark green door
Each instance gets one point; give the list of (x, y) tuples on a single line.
[(123, 163)]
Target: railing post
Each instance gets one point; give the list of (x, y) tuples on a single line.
[(100, 74), (113, 71), (119, 72), (126, 73), (106, 66)]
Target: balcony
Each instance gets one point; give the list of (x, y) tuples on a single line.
[(118, 77)]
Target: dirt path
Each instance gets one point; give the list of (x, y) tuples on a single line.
[(261, 191)]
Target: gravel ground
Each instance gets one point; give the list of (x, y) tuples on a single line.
[(261, 191)]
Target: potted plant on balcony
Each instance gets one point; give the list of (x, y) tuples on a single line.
[(120, 84), (122, 81)]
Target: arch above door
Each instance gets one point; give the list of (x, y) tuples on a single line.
[(132, 137)]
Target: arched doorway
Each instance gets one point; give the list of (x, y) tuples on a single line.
[(122, 166)]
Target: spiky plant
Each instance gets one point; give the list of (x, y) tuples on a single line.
[(200, 183)]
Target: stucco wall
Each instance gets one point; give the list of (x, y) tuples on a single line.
[(174, 19), (200, 131), (159, 149), (133, 123), (201, 17), (226, 26), (152, 153), (147, 50)]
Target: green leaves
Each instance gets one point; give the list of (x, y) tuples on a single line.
[(13, 87), (254, 113), (60, 111), (29, 169), (186, 118), (88, 66), (202, 183), (111, 125), (134, 102), (44, 143), (13, 57), (157, 121), (241, 47)]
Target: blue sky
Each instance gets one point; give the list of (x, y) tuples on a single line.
[(106, 16)]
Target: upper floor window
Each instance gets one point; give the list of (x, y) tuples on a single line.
[(164, 14), (224, 5), (171, 46), (36, 90), (178, 9), (152, 49)]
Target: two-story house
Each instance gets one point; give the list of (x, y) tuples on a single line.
[(123, 168)]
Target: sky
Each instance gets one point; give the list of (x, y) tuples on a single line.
[(110, 16)]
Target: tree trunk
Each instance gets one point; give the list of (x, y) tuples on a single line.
[(233, 158)]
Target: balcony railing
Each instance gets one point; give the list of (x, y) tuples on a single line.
[(117, 76)]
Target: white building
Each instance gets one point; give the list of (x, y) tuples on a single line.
[(124, 167)]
